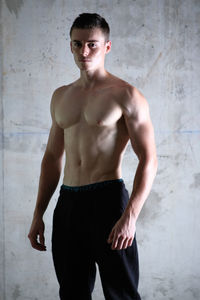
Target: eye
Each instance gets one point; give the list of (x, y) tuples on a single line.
[(77, 44), (93, 45)]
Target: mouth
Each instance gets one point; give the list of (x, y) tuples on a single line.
[(84, 60)]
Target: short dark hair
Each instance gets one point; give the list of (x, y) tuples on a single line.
[(91, 20)]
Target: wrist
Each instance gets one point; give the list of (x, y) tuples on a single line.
[(130, 213), (38, 214)]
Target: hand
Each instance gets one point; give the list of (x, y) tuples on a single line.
[(37, 228), (123, 232)]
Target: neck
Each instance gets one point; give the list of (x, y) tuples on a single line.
[(89, 79)]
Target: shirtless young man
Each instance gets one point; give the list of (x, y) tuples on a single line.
[(94, 220)]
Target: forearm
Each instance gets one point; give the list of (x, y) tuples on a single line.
[(144, 177), (49, 178)]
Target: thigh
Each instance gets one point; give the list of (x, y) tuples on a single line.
[(119, 272), (109, 207), (119, 269), (72, 252), (70, 232)]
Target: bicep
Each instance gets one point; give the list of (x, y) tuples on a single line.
[(142, 139), (55, 144), (140, 128)]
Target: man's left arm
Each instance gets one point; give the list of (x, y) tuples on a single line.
[(140, 129)]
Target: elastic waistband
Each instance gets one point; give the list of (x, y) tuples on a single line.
[(91, 186)]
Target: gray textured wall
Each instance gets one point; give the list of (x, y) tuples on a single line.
[(155, 46)]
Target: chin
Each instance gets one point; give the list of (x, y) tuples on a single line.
[(84, 67)]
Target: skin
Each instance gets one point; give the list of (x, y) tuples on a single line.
[(93, 119)]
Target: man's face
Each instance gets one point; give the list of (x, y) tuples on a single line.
[(89, 48)]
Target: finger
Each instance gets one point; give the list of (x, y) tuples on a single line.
[(125, 243), (130, 242), (115, 242), (35, 244), (111, 236), (41, 243), (39, 247), (120, 243), (41, 238)]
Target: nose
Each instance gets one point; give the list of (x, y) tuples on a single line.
[(84, 50)]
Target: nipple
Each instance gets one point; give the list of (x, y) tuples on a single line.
[(99, 122)]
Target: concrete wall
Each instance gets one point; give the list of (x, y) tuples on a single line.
[(155, 46)]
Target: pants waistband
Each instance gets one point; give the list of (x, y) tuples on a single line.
[(91, 186)]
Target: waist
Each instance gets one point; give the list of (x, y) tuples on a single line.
[(92, 186)]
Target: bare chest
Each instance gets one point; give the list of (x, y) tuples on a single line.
[(92, 109)]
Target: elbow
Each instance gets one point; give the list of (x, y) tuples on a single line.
[(155, 164), (49, 159), (150, 162), (153, 161)]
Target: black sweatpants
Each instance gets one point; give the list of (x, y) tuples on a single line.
[(83, 219)]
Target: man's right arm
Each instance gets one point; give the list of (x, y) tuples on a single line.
[(51, 167)]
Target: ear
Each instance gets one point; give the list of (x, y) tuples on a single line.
[(108, 47), (71, 47)]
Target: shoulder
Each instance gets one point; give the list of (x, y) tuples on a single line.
[(132, 101), (56, 96), (126, 91), (58, 91)]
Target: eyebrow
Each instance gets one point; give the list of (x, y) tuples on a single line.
[(87, 41)]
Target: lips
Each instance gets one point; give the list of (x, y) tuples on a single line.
[(84, 60)]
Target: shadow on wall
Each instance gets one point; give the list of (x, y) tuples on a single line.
[(15, 5)]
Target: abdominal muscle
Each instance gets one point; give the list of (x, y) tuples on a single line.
[(93, 153)]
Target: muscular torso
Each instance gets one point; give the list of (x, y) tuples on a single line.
[(95, 134)]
